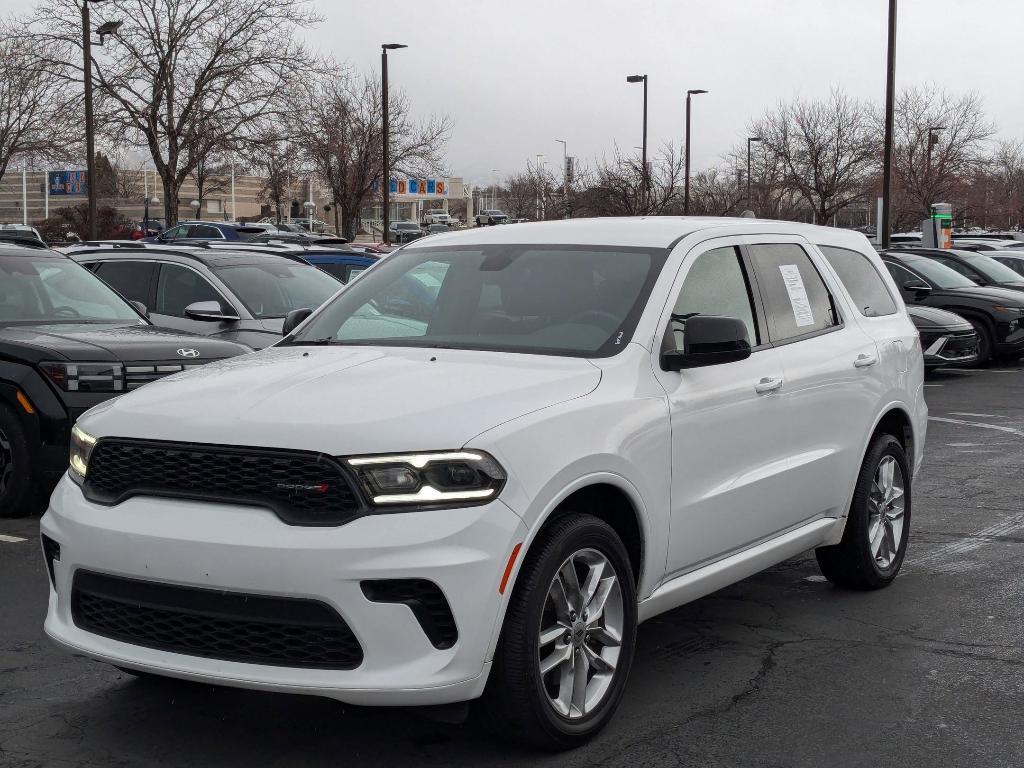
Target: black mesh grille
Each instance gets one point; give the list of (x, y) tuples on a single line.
[(255, 629), (302, 488), (427, 602), (961, 344)]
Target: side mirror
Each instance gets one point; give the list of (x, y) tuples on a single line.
[(141, 307), (920, 287), (294, 319), (209, 310), (709, 340)]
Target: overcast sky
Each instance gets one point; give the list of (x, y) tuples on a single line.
[(516, 75)]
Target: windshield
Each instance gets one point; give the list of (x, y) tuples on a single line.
[(940, 274), (57, 290), (404, 225), (274, 290), (567, 300), (992, 269)]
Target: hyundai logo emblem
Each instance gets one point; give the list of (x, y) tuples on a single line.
[(187, 352)]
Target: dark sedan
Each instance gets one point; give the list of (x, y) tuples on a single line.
[(997, 314), (946, 338)]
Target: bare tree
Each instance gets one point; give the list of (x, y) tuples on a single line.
[(341, 135), (273, 157), (716, 192), (829, 149), (927, 172), (184, 77), (617, 185), (33, 102), (210, 175), (1008, 171)]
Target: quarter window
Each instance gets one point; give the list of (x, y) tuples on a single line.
[(796, 300), (178, 287), (861, 280), (715, 285)]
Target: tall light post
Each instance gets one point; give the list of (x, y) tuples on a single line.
[(494, 188), (540, 181), (932, 141), (750, 140), (885, 225), (386, 179), (686, 182), (565, 173), (108, 28), (643, 155)]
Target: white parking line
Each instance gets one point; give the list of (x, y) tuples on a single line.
[(11, 539), (977, 415), (979, 424)]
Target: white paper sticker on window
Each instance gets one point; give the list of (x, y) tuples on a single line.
[(797, 294)]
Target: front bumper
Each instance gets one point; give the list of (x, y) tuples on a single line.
[(244, 549), (950, 349)]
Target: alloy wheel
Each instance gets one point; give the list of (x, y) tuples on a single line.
[(885, 511), (581, 634), (6, 463)]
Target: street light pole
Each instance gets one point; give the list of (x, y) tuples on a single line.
[(386, 180), (643, 157), (686, 182), (885, 224), (565, 173), (750, 140), (90, 139)]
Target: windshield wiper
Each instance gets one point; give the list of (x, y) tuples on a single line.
[(324, 342)]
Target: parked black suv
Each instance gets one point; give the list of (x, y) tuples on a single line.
[(979, 268), (997, 314), (68, 342)]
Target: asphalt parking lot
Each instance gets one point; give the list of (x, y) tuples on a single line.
[(779, 670)]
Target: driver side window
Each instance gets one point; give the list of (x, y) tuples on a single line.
[(716, 284)]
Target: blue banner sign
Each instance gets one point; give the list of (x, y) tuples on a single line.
[(68, 182)]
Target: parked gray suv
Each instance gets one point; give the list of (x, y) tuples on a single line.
[(242, 296)]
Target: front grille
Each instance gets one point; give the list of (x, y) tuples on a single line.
[(135, 375), (425, 599), (301, 488), (962, 344), (255, 629)]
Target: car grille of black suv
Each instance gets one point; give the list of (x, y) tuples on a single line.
[(137, 374), (255, 629), (301, 488)]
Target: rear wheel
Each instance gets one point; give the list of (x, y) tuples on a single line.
[(19, 489), (567, 644), (878, 525)]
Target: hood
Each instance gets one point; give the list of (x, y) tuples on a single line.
[(345, 400), (127, 343), (939, 319)]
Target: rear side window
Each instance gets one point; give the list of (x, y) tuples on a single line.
[(861, 280), (205, 231), (132, 279), (795, 297), (1015, 264)]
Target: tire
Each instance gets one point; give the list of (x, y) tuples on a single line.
[(985, 343), (19, 482), (862, 560), (547, 710)]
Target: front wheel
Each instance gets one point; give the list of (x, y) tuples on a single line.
[(877, 530), (19, 482), (985, 343), (566, 647)]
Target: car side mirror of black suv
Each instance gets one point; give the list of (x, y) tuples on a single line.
[(294, 319), (211, 311), (920, 287), (709, 340)]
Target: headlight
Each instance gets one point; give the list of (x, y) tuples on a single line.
[(429, 479), (86, 377), (82, 444)]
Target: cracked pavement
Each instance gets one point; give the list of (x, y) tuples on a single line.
[(778, 670)]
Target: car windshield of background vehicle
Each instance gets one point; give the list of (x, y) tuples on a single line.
[(274, 290), (57, 291), (941, 275), (579, 301), (992, 269)]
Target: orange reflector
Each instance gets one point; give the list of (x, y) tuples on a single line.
[(25, 403), (508, 568)]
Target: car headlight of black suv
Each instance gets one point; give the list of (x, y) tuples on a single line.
[(85, 377)]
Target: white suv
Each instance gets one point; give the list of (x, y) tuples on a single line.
[(475, 471)]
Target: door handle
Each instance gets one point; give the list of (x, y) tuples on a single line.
[(863, 361), (768, 384)]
